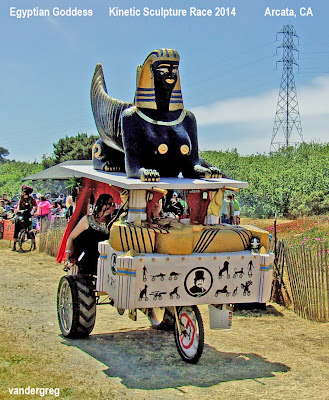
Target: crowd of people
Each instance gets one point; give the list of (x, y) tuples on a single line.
[(175, 206), (35, 210), (230, 210)]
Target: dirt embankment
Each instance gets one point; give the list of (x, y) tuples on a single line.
[(272, 355)]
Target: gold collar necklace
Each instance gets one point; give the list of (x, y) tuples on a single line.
[(165, 123), (98, 226)]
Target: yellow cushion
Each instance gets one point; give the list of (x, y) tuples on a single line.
[(125, 237), (220, 239), (178, 241)]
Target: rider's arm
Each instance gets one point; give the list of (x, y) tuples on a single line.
[(81, 226)]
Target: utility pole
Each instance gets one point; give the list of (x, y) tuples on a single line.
[(287, 112)]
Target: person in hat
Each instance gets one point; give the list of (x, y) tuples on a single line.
[(198, 283), (26, 204), (175, 207)]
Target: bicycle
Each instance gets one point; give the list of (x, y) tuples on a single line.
[(26, 235)]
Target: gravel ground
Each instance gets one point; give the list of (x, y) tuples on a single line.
[(272, 354)]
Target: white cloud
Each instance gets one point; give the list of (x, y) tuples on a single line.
[(247, 123), (312, 99)]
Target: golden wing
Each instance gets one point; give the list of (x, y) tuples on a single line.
[(107, 111)]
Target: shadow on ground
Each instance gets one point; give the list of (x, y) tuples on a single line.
[(148, 359)]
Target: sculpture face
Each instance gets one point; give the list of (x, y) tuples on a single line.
[(165, 74), (158, 83)]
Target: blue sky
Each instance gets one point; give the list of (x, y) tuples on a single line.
[(228, 69)]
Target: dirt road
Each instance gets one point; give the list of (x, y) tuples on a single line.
[(272, 355)]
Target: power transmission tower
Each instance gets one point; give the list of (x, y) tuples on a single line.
[(287, 112)]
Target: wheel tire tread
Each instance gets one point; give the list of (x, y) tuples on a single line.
[(84, 307)]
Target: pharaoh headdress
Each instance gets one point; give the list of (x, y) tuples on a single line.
[(145, 92)]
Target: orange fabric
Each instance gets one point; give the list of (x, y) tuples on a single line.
[(89, 187)]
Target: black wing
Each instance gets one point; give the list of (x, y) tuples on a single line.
[(107, 111)]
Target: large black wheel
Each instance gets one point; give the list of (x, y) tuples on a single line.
[(76, 306), (190, 342), (25, 240), (162, 318)]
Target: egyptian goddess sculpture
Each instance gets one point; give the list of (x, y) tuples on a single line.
[(153, 137)]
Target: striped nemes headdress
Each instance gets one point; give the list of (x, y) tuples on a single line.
[(145, 93)]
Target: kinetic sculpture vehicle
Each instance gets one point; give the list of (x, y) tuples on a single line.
[(164, 268)]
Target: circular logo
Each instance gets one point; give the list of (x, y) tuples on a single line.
[(113, 263), (198, 282)]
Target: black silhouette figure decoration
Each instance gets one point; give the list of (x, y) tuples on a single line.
[(174, 292), (174, 275), (239, 273), (235, 291), (224, 269), (245, 287), (250, 268), (157, 295), (144, 274), (222, 291), (143, 294), (145, 138), (161, 276)]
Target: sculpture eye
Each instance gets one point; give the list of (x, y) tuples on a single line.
[(163, 71)]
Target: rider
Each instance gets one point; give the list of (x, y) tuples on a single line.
[(25, 205)]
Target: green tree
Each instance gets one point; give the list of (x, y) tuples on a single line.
[(74, 148), (3, 153)]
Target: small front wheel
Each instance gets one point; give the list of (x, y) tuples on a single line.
[(190, 340)]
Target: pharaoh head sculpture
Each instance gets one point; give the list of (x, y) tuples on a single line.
[(158, 83)]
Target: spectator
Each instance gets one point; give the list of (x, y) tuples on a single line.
[(184, 205), (225, 211), (61, 200), (56, 209), (5, 199), (236, 220), (231, 209), (69, 207), (26, 204), (43, 211), (175, 207), (48, 198), (3, 213)]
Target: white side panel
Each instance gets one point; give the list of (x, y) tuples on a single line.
[(154, 280)]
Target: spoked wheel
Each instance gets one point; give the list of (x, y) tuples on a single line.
[(76, 306), (25, 240), (161, 318), (190, 341)]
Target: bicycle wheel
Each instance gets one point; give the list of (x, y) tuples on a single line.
[(190, 342), (25, 240)]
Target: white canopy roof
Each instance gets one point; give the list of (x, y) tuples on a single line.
[(120, 179)]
